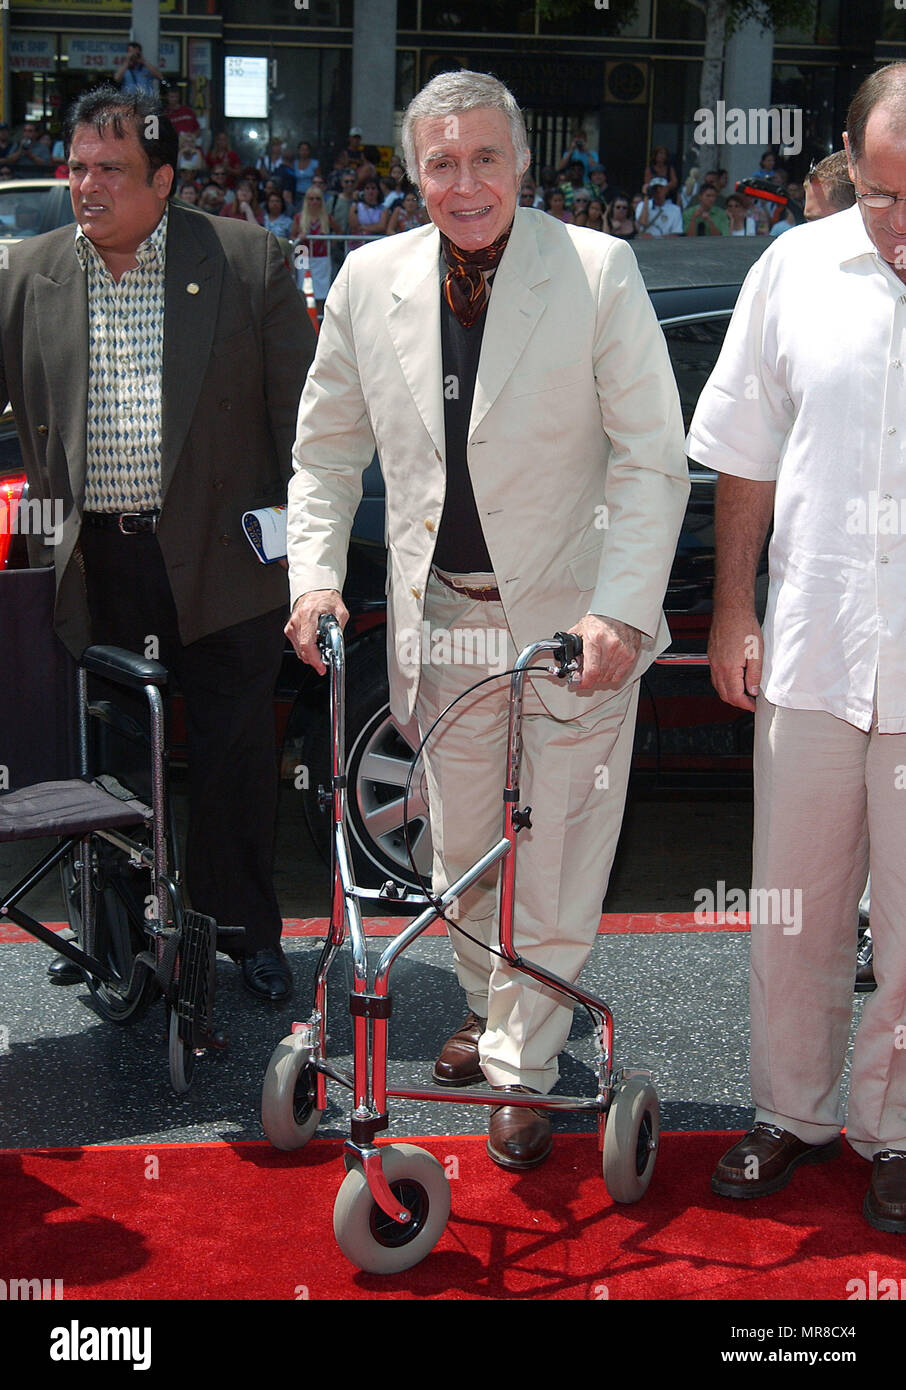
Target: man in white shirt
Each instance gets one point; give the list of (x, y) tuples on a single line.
[(655, 215), (803, 418)]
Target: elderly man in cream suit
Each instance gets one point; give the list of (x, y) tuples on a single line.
[(512, 374)]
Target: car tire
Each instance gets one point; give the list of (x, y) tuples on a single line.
[(379, 756)]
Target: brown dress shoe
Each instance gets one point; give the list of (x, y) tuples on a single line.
[(518, 1136), (457, 1064), (885, 1202), (764, 1159)]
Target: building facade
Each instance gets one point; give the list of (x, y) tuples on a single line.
[(626, 71)]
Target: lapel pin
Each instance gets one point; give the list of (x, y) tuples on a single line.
[(192, 287)]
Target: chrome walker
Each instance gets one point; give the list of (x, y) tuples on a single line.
[(395, 1200)]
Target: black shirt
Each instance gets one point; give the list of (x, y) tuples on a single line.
[(460, 546)]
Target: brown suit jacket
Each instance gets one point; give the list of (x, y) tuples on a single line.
[(237, 346)]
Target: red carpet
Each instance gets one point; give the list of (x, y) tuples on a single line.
[(243, 1221), (611, 924)]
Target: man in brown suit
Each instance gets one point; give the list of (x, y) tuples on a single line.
[(154, 360)]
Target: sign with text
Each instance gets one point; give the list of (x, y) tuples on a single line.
[(105, 55), (32, 52), (245, 86), (121, 6)]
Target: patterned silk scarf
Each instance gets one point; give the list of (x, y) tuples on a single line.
[(464, 285)]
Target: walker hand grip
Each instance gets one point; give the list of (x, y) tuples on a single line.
[(569, 653), (326, 622)]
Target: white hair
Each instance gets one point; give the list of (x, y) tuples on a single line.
[(451, 93)]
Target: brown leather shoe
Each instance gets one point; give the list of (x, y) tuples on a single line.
[(518, 1135), (885, 1202), (764, 1159), (457, 1064)]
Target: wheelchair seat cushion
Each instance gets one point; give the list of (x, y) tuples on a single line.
[(65, 808)]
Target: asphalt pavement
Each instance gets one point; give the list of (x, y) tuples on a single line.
[(679, 998)]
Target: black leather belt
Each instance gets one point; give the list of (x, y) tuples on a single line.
[(491, 594), (128, 523)]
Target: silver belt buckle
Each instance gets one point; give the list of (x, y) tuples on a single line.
[(142, 523)]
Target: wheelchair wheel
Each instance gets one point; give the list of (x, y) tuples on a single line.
[(288, 1110), (117, 933), (631, 1139), (371, 1239), (181, 1057)]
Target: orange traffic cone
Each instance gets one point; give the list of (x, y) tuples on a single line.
[(308, 288)]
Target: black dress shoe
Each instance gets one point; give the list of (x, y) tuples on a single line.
[(865, 965), (267, 975), (65, 972)]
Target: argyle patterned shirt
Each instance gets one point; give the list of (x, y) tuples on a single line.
[(125, 365)]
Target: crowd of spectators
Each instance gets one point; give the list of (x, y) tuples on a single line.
[(298, 193), (309, 197), (578, 192)]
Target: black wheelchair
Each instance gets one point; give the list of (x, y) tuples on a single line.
[(87, 766)]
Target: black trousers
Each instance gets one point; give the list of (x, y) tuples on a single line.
[(227, 682)]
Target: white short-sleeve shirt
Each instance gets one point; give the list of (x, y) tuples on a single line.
[(666, 220), (810, 391)]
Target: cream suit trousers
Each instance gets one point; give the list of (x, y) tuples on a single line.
[(574, 775), (825, 792)]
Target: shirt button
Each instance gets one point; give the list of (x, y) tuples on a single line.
[(883, 559), (416, 593), (224, 540), (429, 526), (42, 429), (896, 362), (437, 455), (892, 429), (218, 484), (226, 405)]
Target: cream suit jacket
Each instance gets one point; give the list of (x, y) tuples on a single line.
[(575, 448)]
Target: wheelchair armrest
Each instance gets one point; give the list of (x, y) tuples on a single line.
[(126, 668)]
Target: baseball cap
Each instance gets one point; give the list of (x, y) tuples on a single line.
[(657, 180), (355, 130)]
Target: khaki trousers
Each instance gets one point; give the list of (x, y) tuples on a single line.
[(574, 775), (829, 800)]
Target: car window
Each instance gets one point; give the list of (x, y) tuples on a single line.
[(22, 210), (694, 344)]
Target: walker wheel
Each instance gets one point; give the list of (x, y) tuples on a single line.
[(371, 1239), (288, 1110), (631, 1135)]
